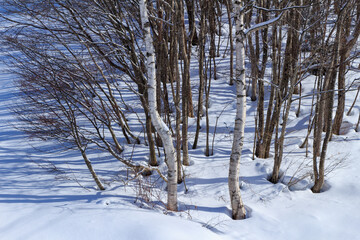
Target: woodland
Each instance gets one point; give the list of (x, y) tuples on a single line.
[(118, 78)]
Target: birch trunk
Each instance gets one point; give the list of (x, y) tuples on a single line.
[(159, 125), (237, 206)]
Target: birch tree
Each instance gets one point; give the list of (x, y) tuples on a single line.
[(237, 206), (158, 123)]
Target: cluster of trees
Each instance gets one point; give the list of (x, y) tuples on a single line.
[(76, 60)]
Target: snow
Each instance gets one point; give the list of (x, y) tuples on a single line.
[(41, 201)]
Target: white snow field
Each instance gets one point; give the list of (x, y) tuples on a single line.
[(48, 194), (39, 201)]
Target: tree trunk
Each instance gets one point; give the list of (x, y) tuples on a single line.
[(151, 142), (346, 46), (228, 10), (212, 44), (237, 206), (290, 75), (201, 70), (148, 126), (91, 170), (174, 75), (190, 7), (77, 138), (319, 173), (264, 140), (159, 125), (185, 82)]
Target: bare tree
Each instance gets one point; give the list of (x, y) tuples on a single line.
[(202, 69), (83, 69), (348, 41), (288, 84), (186, 88), (327, 100), (160, 126)]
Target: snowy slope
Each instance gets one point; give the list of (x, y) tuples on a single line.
[(40, 201), (35, 203)]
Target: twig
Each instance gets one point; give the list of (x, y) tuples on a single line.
[(348, 113), (217, 119)]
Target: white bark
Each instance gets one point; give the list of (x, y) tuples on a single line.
[(159, 125), (237, 206)]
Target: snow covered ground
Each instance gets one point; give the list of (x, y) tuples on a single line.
[(39, 200)]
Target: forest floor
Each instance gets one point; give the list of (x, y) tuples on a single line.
[(46, 193)]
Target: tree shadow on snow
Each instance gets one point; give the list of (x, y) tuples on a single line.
[(87, 198)]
